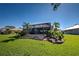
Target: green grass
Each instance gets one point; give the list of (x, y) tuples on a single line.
[(29, 47)]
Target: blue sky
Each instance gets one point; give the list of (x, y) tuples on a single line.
[(15, 14)]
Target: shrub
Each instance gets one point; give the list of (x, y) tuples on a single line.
[(57, 34)]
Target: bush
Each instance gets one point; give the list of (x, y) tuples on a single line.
[(20, 34), (57, 34)]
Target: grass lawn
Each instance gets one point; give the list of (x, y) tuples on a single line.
[(11, 46)]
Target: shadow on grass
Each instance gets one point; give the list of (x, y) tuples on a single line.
[(9, 39)]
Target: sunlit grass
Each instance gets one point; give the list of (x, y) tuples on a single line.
[(39, 48)]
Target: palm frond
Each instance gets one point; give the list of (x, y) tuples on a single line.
[(55, 6)]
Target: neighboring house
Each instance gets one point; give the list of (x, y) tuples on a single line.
[(72, 30), (2, 30), (14, 30)]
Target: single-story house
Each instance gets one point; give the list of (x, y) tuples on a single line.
[(2, 30), (14, 30), (72, 30)]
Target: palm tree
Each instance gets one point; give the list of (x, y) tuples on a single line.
[(56, 25), (26, 27), (55, 6)]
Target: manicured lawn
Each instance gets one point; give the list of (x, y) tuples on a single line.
[(11, 46)]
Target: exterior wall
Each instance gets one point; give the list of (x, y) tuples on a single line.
[(72, 31), (40, 28), (35, 36), (44, 25)]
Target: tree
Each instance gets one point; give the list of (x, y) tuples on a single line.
[(9, 27), (55, 6), (55, 33), (56, 25), (26, 27), (7, 31)]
